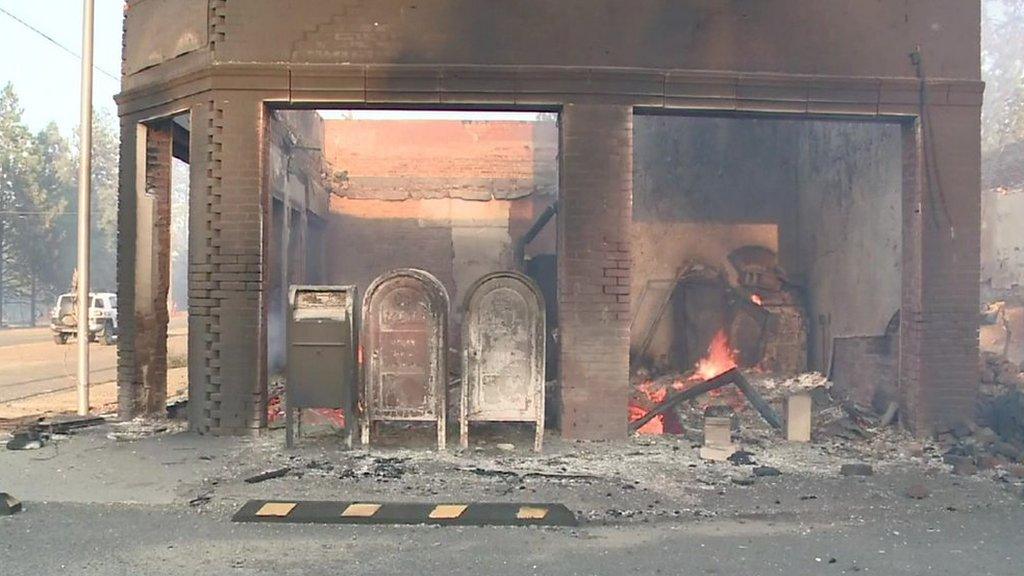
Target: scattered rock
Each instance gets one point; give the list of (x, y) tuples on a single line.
[(1007, 450), (504, 447), (743, 481), (9, 505), (988, 462), (742, 458), (918, 492), (986, 436), (955, 460), (766, 471), (961, 431), (965, 468), (30, 440), (856, 470)]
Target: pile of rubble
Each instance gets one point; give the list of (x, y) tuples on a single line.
[(1001, 399), (999, 375)]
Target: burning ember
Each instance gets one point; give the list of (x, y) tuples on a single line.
[(636, 411), (756, 299), (720, 358)]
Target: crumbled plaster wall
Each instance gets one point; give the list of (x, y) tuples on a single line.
[(849, 182), (1002, 237), (450, 197)]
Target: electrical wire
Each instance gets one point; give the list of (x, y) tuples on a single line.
[(54, 41)]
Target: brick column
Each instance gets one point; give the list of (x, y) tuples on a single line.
[(941, 269), (227, 376), (594, 268), (144, 246)]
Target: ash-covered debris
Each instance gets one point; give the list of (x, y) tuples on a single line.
[(778, 388), (381, 469), (140, 428)]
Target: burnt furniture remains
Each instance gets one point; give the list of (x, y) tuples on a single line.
[(404, 331), (503, 354)]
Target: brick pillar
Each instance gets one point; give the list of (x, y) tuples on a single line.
[(941, 269), (594, 268), (227, 383), (144, 274)]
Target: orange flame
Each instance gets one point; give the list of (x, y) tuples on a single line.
[(719, 359), (657, 425)]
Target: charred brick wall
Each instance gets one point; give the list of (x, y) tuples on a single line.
[(594, 268), (942, 224), (142, 353), (595, 62)]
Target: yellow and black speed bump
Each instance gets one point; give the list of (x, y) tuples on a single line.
[(454, 513)]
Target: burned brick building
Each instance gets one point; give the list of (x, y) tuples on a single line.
[(819, 159)]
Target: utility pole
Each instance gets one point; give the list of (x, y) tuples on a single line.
[(2, 246), (84, 206)]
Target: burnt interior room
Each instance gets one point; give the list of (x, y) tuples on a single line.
[(355, 194), (775, 243)]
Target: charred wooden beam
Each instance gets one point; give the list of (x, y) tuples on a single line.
[(730, 376), (531, 234), (757, 401), (673, 400)]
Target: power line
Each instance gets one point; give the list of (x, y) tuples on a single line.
[(56, 43)]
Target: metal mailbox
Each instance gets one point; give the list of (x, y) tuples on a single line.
[(322, 369), (503, 357), (405, 344)]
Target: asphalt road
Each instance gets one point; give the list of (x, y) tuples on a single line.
[(94, 539), (31, 363)]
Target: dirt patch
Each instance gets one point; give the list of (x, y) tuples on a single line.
[(102, 399)]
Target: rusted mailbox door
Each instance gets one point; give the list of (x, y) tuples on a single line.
[(405, 323), (503, 353)]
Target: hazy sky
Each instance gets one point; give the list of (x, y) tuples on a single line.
[(47, 78)]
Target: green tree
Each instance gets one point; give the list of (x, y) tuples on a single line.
[(18, 182), (1002, 67), (51, 261), (38, 206), (105, 158)]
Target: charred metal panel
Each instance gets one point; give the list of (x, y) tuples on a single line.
[(503, 353), (405, 342), (321, 352)]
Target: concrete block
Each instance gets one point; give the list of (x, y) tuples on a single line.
[(799, 409), (717, 432)]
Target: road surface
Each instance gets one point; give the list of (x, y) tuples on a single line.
[(31, 363)]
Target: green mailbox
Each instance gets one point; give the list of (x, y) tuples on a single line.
[(321, 365)]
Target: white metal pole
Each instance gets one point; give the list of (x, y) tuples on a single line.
[(84, 186)]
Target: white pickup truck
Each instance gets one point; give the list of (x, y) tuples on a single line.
[(102, 318)]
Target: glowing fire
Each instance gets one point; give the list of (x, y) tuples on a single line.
[(655, 396), (756, 299), (720, 358)]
